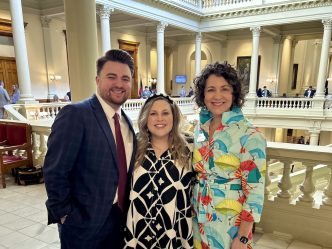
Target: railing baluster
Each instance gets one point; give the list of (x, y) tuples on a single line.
[(285, 183), (327, 200), (307, 187)]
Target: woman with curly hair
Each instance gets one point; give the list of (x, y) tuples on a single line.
[(230, 162), (159, 214)]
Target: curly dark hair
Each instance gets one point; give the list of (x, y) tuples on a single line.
[(224, 70)]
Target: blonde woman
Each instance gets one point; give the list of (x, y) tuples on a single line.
[(159, 214)]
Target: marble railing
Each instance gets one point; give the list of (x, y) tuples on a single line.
[(284, 103), (48, 111), (34, 111), (206, 6), (303, 197)]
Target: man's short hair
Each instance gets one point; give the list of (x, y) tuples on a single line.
[(116, 55)]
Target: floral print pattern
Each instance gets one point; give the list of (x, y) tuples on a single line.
[(230, 166)]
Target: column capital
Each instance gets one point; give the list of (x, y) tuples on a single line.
[(256, 30), (277, 39), (294, 43), (199, 37), (161, 27), (327, 23), (45, 21), (104, 12)]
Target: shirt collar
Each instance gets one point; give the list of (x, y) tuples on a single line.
[(107, 108), (232, 116)]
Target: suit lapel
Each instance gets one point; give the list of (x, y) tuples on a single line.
[(103, 122)]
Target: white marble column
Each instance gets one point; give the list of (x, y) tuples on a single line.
[(198, 52), (148, 60), (21, 54), (322, 72), (314, 136), (290, 75), (285, 64), (45, 23), (254, 60), (275, 64), (82, 47), (104, 13), (160, 57)]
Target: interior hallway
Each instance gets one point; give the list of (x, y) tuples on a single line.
[(23, 220)]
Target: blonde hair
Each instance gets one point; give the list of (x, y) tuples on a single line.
[(177, 144)]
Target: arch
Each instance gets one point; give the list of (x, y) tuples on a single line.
[(208, 56)]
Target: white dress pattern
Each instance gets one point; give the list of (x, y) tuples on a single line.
[(159, 214)]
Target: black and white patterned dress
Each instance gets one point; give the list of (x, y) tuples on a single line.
[(159, 215)]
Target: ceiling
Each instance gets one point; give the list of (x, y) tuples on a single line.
[(136, 25)]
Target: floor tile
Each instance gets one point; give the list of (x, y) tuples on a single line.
[(26, 211), (30, 243), (4, 231), (269, 241), (19, 224), (49, 236), (34, 230), (13, 238), (301, 245), (8, 217)]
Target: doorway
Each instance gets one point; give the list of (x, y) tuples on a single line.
[(8, 73)]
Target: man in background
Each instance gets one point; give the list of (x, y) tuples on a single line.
[(309, 93), (183, 92), (87, 168), (4, 98), (266, 93), (146, 93)]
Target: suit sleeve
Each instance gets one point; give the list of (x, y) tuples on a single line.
[(7, 96), (63, 149), (253, 166)]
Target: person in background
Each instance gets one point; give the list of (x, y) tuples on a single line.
[(301, 140), (191, 92), (4, 98), (146, 92), (16, 94), (183, 92), (259, 93), (90, 157), (68, 96), (309, 93), (266, 93), (159, 214), (230, 163), (56, 98)]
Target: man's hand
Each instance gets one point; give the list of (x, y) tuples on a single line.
[(63, 219)]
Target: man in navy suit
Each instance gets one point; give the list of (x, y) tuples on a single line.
[(309, 93), (81, 166)]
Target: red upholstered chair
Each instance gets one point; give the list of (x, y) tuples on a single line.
[(17, 137), (3, 134)]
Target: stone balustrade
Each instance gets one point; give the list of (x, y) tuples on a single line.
[(301, 198)]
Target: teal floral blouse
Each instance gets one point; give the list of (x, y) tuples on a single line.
[(230, 166)]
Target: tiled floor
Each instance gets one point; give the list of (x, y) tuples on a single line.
[(23, 220)]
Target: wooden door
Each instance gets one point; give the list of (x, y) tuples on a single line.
[(8, 73), (132, 48)]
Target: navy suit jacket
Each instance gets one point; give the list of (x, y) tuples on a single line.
[(81, 169), (312, 93)]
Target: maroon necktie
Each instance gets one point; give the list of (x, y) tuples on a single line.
[(122, 162)]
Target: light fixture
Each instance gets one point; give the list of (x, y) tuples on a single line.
[(53, 77)]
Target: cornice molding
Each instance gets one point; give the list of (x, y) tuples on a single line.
[(255, 10)]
